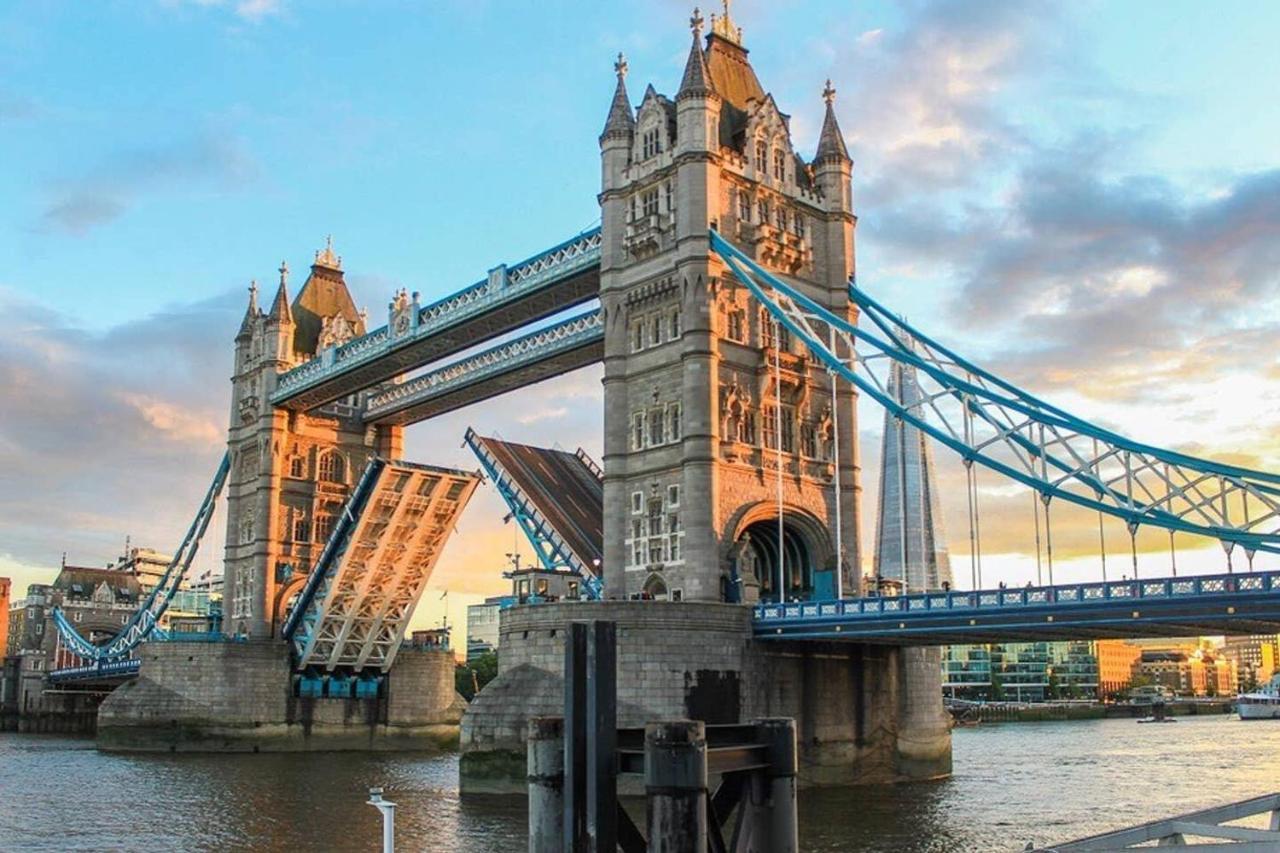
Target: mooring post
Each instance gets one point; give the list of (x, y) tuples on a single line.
[(675, 781), (574, 825), (546, 784), (602, 737), (777, 822)]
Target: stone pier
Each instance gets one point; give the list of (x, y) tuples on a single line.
[(238, 697), (865, 714)]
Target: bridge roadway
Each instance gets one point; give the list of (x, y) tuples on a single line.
[(560, 278), (1154, 607)]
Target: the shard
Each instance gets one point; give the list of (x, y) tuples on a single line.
[(911, 540)]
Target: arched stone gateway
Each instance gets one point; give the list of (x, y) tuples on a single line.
[(806, 548)]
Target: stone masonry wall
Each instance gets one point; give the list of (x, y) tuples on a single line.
[(864, 713), (238, 697)]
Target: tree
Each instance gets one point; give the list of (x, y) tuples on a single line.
[(997, 688), (471, 677)]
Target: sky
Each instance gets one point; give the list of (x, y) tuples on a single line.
[(1083, 197)]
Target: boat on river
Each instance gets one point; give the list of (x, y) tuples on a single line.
[(1262, 704)]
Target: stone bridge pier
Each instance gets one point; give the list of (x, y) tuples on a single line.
[(865, 714)]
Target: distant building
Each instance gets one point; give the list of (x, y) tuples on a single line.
[(911, 544), (1116, 659), (27, 620), (5, 584), (146, 565), (482, 626), (1196, 673), (1021, 672), (1255, 656), (430, 638)]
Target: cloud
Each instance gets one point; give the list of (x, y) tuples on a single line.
[(120, 181), (112, 433), (251, 11)]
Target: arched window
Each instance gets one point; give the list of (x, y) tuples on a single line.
[(331, 468)]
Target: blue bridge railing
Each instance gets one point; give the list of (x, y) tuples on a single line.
[(1213, 597)]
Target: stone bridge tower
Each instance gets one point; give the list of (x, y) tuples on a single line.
[(291, 472), (693, 435)]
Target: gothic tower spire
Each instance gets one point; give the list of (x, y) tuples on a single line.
[(621, 121), (831, 140), (697, 77), (280, 312), (250, 312)]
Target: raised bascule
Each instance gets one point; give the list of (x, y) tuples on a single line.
[(721, 532)]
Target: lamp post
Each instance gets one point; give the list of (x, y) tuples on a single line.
[(388, 810)]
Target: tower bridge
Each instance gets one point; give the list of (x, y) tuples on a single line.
[(717, 294)]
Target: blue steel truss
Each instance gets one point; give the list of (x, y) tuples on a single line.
[(554, 554), (305, 613), (536, 347), (987, 420), (144, 620), (505, 285), (98, 671), (1206, 604)]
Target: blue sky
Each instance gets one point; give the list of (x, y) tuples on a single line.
[(1083, 194)]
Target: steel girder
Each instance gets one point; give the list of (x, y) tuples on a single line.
[(536, 288), (542, 354), (554, 553), (987, 420), (144, 620), (361, 595)]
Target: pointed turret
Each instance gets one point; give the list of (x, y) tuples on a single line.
[(621, 121), (831, 140), (280, 313), (250, 313), (697, 77)]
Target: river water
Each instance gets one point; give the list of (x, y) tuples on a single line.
[(1013, 783)]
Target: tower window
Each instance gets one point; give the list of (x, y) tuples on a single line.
[(673, 495), (744, 206), (779, 164), (296, 468), (657, 429), (637, 529), (670, 198), (799, 225), (649, 199), (637, 501), (762, 156), (331, 468), (788, 429), (675, 324), (808, 441), (762, 208), (637, 436), (651, 143), (673, 415), (781, 218), (675, 552), (736, 326), (770, 414), (301, 529), (655, 331), (324, 527)]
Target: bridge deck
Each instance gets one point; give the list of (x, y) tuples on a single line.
[(539, 287), (364, 588), (1157, 607)]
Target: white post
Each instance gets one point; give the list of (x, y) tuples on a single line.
[(835, 453), (777, 428), (388, 810)]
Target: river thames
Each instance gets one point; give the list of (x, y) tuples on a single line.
[(1013, 783)]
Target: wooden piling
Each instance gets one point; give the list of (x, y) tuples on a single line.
[(675, 771)]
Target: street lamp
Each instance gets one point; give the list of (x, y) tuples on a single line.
[(388, 810)]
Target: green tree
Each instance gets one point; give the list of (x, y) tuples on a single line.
[(997, 688), (1054, 685), (471, 677)]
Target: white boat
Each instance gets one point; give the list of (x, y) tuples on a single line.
[(1263, 704)]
